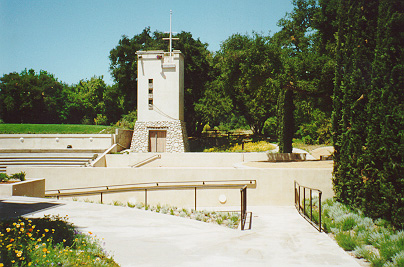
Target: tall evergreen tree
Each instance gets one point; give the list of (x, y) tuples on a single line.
[(307, 41), (285, 120), (383, 177), (355, 52)]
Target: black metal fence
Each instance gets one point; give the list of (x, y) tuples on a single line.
[(300, 203)]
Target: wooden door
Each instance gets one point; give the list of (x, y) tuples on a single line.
[(157, 141)]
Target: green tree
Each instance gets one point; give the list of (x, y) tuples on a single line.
[(113, 103), (87, 100), (307, 45), (355, 52), (28, 97), (383, 174), (123, 65), (197, 74), (285, 120), (249, 68)]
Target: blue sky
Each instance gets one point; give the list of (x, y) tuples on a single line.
[(72, 38)]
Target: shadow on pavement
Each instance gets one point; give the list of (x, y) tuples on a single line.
[(10, 208)]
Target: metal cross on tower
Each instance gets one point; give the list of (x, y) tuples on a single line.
[(171, 36)]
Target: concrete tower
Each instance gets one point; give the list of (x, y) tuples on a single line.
[(160, 125)]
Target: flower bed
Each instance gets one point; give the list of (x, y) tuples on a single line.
[(48, 241)]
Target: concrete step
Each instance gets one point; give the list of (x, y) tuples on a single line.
[(17, 160), (15, 156), (43, 163), (48, 165), (40, 150)]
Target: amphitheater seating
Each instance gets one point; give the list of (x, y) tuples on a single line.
[(45, 159)]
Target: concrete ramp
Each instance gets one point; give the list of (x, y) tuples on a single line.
[(280, 237)]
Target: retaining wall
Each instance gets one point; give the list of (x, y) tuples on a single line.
[(55, 141), (274, 186), (29, 188), (184, 159)]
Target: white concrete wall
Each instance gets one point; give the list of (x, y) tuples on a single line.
[(184, 159), (168, 86), (55, 141), (29, 188), (274, 186)]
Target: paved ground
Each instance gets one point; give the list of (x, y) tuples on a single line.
[(296, 165), (280, 236)]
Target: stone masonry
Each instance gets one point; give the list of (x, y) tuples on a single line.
[(176, 139)]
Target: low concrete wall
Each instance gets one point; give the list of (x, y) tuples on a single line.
[(55, 141), (184, 159), (274, 186), (123, 138), (29, 188)]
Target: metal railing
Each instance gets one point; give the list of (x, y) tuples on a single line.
[(154, 186), (244, 213), (300, 204), (146, 161)]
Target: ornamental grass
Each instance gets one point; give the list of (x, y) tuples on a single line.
[(376, 241), (48, 241)]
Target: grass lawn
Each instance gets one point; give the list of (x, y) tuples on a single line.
[(9, 128)]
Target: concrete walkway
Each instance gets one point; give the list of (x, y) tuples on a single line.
[(280, 236)]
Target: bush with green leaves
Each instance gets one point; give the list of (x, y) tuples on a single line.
[(128, 120), (16, 176), (3, 177)]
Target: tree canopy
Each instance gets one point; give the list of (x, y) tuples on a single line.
[(249, 69), (32, 97)]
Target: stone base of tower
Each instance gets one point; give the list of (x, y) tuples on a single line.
[(172, 133)]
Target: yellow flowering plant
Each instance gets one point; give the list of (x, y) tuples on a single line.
[(21, 245)]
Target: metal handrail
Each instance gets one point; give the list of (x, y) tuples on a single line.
[(204, 183), (302, 210), (153, 186), (148, 160)]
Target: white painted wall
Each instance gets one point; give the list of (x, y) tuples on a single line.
[(274, 186), (55, 141), (168, 86)]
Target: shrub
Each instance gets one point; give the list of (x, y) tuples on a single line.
[(259, 146), (4, 177), (100, 120), (18, 176), (128, 121), (347, 240), (270, 127), (376, 241), (398, 259)]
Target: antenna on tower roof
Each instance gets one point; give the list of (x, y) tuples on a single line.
[(171, 36)]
